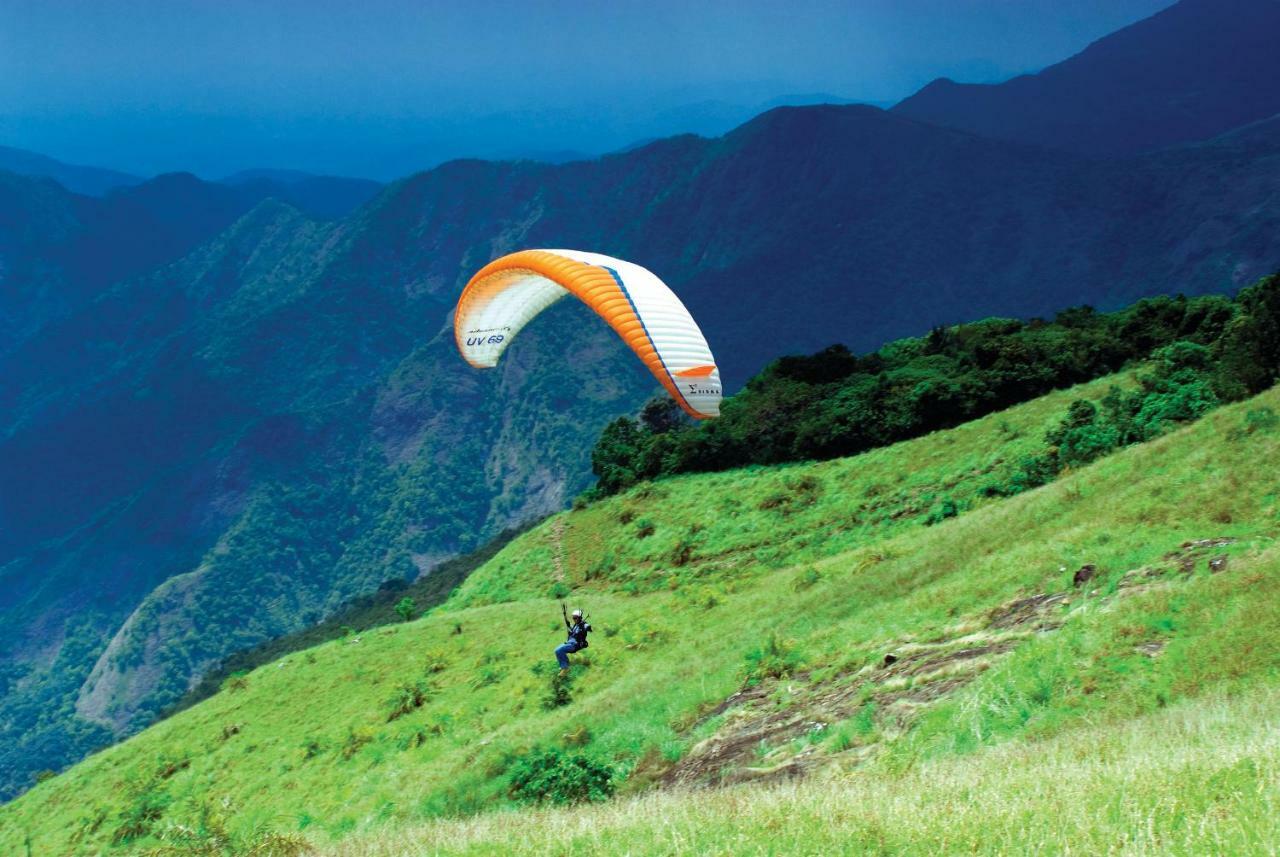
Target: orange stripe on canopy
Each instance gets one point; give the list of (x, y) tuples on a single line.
[(697, 371)]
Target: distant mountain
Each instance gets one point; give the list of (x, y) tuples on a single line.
[(92, 181), (328, 197), (60, 249), (225, 449), (283, 177), (1190, 72)]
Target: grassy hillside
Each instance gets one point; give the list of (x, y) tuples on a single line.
[(770, 624), (279, 420), (1200, 777)]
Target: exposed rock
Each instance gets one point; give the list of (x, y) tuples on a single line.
[(1086, 573), (1190, 551), (1026, 610), (1207, 543), (755, 741), (110, 695), (1151, 649)]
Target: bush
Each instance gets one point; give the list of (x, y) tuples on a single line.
[(703, 597), (943, 509), (406, 608), (407, 697), (356, 739), (806, 578), (682, 553), (1177, 390), (774, 500), (1261, 420), (486, 676), (560, 692), (236, 681), (551, 775), (146, 805), (777, 658)]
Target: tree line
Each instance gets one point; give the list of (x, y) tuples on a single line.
[(1206, 350)]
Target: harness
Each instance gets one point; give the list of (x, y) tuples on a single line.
[(578, 634)]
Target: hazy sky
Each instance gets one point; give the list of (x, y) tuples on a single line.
[(387, 86)]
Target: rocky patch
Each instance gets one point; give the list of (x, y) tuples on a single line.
[(763, 724)]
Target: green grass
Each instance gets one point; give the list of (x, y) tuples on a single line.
[(1199, 778), (794, 582)]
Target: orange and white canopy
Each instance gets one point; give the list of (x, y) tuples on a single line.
[(506, 294)]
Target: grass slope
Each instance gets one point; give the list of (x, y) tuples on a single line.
[(743, 625), (1201, 777)]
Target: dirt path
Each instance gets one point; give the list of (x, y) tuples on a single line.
[(557, 549)]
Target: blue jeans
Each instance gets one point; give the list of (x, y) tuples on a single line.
[(563, 651)]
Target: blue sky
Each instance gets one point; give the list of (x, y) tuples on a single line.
[(385, 87)]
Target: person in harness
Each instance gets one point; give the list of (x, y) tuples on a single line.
[(578, 630)]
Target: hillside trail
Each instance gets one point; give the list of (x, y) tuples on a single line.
[(557, 549)]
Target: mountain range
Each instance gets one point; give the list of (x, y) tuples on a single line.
[(226, 408), (62, 249), (91, 181), (1192, 71)]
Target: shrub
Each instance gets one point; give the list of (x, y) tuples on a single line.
[(777, 658), (682, 553), (407, 697), (357, 737), (406, 608), (642, 636), (311, 748), (806, 489), (580, 736), (806, 578), (602, 566), (560, 691), (1261, 420), (703, 597), (147, 803), (943, 509), (551, 775), (236, 681), (486, 676), (774, 500)]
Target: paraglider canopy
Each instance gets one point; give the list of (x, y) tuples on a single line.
[(509, 292)]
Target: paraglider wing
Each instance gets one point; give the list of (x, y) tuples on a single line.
[(509, 292)]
